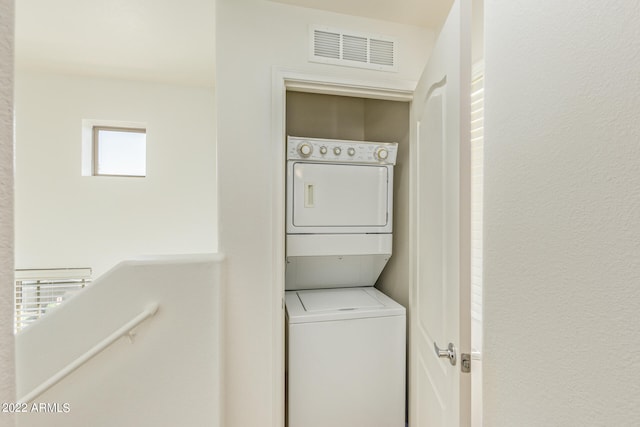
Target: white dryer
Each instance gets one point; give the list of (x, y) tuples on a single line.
[(339, 212)]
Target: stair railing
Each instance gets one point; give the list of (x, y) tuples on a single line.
[(126, 329)]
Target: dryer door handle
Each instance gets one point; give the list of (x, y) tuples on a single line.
[(309, 196)]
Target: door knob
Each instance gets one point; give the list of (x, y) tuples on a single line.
[(450, 352)]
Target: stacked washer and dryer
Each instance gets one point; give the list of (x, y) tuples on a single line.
[(345, 339)]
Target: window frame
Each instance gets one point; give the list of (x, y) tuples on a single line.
[(95, 130)]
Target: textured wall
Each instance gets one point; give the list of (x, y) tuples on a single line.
[(7, 383), (562, 213)]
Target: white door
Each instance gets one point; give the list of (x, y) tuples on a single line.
[(439, 393)]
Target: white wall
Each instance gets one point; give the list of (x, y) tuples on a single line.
[(64, 219), (7, 376), (252, 36), (168, 375), (562, 210)]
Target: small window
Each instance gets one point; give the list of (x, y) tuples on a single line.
[(119, 151)]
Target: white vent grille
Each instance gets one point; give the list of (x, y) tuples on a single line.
[(326, 45), (352, 49), (381, 52)]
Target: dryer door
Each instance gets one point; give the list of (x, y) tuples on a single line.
[(339, 198)]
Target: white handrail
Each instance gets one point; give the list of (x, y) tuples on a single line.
[(123, 330)]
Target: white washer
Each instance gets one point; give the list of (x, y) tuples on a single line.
[(346, 358)]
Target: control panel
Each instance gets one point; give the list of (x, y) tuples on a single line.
[(341, 151)]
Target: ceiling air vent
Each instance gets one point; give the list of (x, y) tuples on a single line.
[(326, 44), (352, 49)]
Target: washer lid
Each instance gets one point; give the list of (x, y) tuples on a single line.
[(338, 299), (339, 304)]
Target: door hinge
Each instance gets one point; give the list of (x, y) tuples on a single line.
[(465, 363)]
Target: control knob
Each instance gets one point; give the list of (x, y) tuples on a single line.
[(323, 150), (337, 151), (382, 153), (305, 149), (351, 151)]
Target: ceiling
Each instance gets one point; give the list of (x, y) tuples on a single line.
[(424, 13), (139, 39), (154, 40)]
